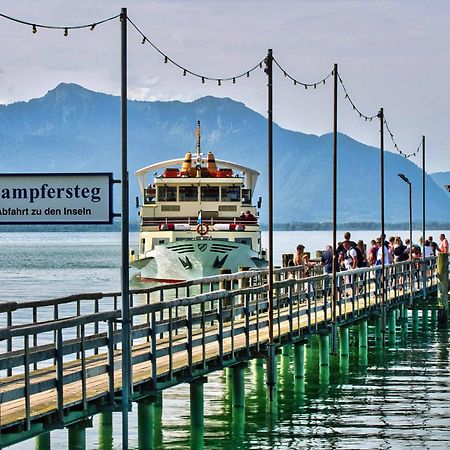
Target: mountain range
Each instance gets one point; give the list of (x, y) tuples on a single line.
[(73, 129)]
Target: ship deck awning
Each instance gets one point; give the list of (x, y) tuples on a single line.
[(251, 175)]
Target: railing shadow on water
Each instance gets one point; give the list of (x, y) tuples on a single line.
[(63, 347)]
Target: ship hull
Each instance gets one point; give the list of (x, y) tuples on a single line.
[(193, 259)]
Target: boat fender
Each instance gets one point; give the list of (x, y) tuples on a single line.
[(182, 227), (202, 229)]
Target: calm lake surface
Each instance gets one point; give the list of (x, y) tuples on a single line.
[(394, 398)]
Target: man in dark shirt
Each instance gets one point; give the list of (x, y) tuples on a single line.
[(327, 259), (327, 263)]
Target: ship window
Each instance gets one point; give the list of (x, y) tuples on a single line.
[(167, 193), (210, 193), (188, 193), (247, 196), (231, 194), (143, 245), (245, 241)]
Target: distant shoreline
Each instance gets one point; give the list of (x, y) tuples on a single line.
[(297, 226)]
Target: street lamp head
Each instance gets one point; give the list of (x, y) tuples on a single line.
[(404, 178)]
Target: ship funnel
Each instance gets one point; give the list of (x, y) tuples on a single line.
[(211, 164), (186, 167)]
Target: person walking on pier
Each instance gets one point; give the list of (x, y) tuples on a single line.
[(372, 254), (444, 244), (327, 262)]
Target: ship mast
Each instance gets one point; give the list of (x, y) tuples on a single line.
[(197, 134)]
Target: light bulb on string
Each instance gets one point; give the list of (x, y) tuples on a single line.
[(248, 74), (234, 80), (203, 80), (184, 72), (219, 83), (66, 32), (93, 26), (165, 59), (315, 86), (143, 40), (34, 29)]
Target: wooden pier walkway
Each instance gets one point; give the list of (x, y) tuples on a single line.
[(66, 366)]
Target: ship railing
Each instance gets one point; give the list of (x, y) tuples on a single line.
[(193, 221)]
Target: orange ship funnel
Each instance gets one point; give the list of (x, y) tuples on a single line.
[(186, 167), (211, 163)]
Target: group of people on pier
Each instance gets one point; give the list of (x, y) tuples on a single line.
[(351, 255)]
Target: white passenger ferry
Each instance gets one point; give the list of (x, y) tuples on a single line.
[(196, 218)]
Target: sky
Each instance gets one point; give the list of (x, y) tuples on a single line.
[(390, 54)]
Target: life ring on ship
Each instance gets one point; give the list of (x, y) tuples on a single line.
[(202, 229)]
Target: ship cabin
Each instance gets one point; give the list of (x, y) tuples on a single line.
[(204, 199)]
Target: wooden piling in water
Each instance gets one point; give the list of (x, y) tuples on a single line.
[(105, 439), (363, 333), (344, 347), (145, 423), (299, 360), (197, 402), (239, 385), (77, 436), (379, 335), (324, 350), (43, 442)]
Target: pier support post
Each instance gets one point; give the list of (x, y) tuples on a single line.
[(379, 335), (146, 416), (363, 334), (344, 347), (259, 362), (299, 360), (363, 342), (157, 420), (105, 439), (392, 326), (415, 320), (197, 404), (271, 370), (239, 386), (434, 315), (425, 318), (443, 284), (286, 350), (77, 435), (325, 350), (197, 412), (43, 442)]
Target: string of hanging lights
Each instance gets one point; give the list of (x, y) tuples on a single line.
[(65, 28), (186, 71), (301, 83)]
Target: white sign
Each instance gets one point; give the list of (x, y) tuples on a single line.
[(56, 198)]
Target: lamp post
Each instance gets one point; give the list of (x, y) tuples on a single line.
[(406, 180), (424, 274)]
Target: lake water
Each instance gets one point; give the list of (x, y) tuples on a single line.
[(399, 399)]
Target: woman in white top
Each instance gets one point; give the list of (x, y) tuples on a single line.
[(387, 254)]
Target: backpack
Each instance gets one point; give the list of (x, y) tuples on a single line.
[(359, 256)]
